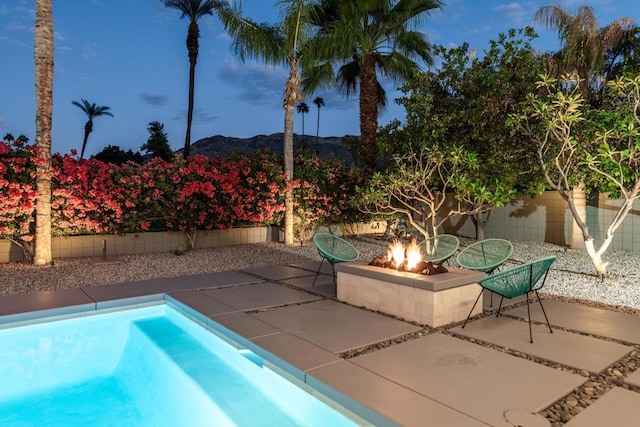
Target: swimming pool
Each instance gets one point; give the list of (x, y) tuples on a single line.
[(148, 366)]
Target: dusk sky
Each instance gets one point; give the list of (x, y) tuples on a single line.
[(130, 55)]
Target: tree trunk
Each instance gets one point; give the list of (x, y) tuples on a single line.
[(291, 96), (368, 114), (579, 231), (44, 111), (192, 48)]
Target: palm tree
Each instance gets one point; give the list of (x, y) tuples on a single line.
[(303, 109), (43, 51), (278, 45), (92, 111), (319, 103), (584, 43), (193, 10), (364, 38)]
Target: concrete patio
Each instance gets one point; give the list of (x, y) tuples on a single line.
[(390, 371)]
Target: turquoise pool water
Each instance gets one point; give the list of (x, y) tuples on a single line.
[(143, 367)]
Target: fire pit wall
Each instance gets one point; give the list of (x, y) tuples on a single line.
[(433, 300)]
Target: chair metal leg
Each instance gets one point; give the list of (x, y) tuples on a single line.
[(544, 312), (499, 306), (529, 316), (335, 279), (317, 273), (474, 306)]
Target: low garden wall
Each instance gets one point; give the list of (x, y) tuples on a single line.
[(137, 243), (546, 218)]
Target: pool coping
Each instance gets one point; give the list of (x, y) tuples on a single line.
[(25, 309)]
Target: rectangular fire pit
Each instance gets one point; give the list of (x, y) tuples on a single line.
[(433, 300)]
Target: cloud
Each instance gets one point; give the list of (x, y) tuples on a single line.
[(89, 51), (256, 83), (156, 99), (199, 116), (517, 13)]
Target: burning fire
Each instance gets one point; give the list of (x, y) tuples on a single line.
[(406, 257)]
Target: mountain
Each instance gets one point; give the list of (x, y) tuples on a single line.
[(218, 145)]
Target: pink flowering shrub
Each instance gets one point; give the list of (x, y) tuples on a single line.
[(90, 196), (17, 194)]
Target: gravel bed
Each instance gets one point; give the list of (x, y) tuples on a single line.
[(571, 278)]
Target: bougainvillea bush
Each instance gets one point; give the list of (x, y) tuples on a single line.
[(91, 196), (17, 194)]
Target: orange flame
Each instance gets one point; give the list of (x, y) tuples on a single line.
[(413, 254), (399, 256)]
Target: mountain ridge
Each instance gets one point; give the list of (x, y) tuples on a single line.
[(219, 145)]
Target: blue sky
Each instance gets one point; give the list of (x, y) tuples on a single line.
[(130, 55)]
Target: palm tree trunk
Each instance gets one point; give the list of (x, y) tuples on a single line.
[(44, 111), (192, 48), (87, 131), (368, 114), (317, 130), (291, 96)]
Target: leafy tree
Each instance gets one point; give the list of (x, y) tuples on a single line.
[(157, 144), (43, 52), (278, 44), (319, 103), (362, 39), (193, 10), (583, 47), (466, 100), (416, 187), (115, 155), (92, 111), (569, 137), (303, 109)]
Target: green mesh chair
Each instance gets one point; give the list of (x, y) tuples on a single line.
[(516, 281), (334, 250), (486, 256), (440, 248)]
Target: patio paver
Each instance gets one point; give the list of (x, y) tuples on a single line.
[(405, 406), (198, 301), (241, 327), (575, 350), (334, 326), (278, 272), (633, 379), (597, 321), (108, 296), (258, 296), (212, 280), (617, 408), (297, 354), (478, 381), (20, 307), (324, 284)]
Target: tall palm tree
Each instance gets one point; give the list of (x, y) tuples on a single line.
[(193, 10), (277, 44), (43, 52), (303, 109), (319, 103), (362, 39), (92, 111), (584, 43)]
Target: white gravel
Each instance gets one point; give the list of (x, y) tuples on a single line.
[(571, 276)]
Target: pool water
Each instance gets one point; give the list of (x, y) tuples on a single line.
[(143, 367)]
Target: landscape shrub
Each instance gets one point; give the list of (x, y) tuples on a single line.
[(91, 196)]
